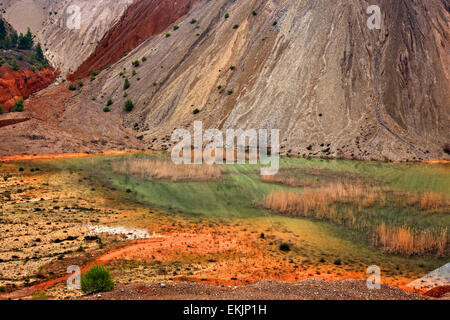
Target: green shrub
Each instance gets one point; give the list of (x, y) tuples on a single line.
[(227, 15), (144, 58), (134, 72), (193, 21), (254, 13), (1, 109), (129, 106), (155, 84), (109, 102), (97, 279), (135, 63), (2, 289), (230, 92), (18, 106), (80, 84), (125, 94), (168, 34), (176, 27), (95, 73), (196, 111), (232, 67), (106, 109), (275, 23), (72, 87), (126, 85), (235, 26), (94, 99), (285, 247), (14, 65)]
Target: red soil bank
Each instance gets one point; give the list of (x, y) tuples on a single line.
[(140, 21), (15, 85)]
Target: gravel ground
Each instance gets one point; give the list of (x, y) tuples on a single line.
[(265, 290)]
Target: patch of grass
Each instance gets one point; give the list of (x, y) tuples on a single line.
[(39, 296)]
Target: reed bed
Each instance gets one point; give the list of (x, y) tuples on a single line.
[(344, 203), (163, 170), (405, 240)]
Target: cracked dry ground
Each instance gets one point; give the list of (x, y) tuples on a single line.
[(44, 218)]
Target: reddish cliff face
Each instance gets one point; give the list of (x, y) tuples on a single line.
[(140, 21), (15, 85)]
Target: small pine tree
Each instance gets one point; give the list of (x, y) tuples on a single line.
[(39, 53), (126, 85), (128, 105)]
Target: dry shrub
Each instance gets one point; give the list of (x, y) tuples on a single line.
[(162, 170), (405, 240)]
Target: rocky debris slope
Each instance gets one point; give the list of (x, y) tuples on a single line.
[(266, 290)]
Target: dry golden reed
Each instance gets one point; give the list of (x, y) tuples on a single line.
[(407, 241), (163, 170)]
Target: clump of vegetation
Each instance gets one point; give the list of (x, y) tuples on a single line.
[(232, 68), (125, 94), (95, 73), (155, 84), (18, 106), (72, 87), (97, 279), (144, 58), (254, 13), (106, 109), (39, 296), (274, 23), (134, 72), (109, 102), (230, 92), (126, 84), (176, 27), (337, 262), (135, 63), (196, 111), (129, 106), (285, 247), (14, 65), (94, 99), (235, 26), (80, 84), (168, 34), (2, 289), (193, 21), (227, 15), (1, 109)]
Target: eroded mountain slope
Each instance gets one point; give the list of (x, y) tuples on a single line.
[(319, 74), (312, 69)]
